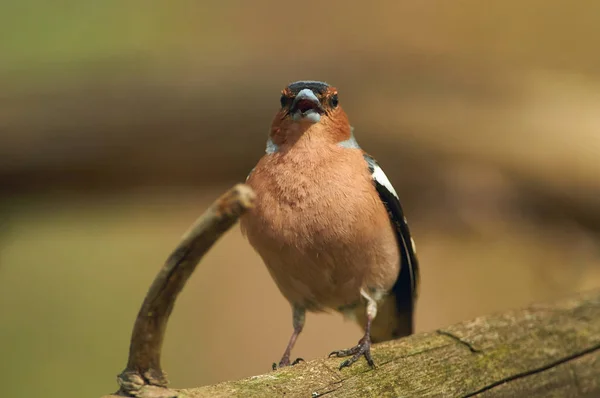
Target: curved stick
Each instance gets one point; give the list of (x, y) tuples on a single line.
[(143, 366)]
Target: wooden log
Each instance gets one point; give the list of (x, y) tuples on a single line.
[(546, 350)]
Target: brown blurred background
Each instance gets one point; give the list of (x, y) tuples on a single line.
[(120, 122)]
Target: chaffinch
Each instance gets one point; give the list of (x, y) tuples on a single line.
[(328, 224)]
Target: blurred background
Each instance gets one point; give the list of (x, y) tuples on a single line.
[(120, 122)]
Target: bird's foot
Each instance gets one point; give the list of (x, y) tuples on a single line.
[(362, 348), (285, 361)]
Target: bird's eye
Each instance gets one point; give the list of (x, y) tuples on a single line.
[(334, 100), (284, 100)]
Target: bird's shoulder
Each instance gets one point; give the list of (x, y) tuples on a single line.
[(379, 177)]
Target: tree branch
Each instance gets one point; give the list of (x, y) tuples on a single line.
[(550, 349), (144, 375)]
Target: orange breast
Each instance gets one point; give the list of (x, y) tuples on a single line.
[(320, 226)]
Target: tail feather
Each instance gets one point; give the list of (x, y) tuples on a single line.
[(391, 322), (395, 313)]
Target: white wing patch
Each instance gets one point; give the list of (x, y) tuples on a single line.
[(381, 178), (389, 196)]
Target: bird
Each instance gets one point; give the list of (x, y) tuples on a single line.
[(328, 224)]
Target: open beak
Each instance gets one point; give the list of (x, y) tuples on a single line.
[(306, 106)]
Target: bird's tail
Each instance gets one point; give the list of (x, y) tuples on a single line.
[(394, 313), (391, 322)]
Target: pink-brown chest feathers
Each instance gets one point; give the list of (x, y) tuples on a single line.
[(320, 227), (318, 222), (316, 195)]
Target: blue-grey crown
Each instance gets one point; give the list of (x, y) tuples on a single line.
[(316, 87)]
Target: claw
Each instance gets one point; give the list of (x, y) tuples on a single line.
[(345, 353), (363, 348), (346, 364), (297, 361), (286, 362)]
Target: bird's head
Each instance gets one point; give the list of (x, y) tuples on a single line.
[(310, 106)]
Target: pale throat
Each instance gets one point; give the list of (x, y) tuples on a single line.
[(297, 128)]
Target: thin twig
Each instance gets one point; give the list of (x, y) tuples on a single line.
[(143, 367)]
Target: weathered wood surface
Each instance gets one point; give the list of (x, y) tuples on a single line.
[(546, 350)]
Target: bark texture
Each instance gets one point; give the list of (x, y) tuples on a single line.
[(546, 350)]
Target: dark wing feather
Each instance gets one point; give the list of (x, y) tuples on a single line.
[(405, 288)]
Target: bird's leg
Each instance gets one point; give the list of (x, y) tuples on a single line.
[(298, 320), (364, 344)]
